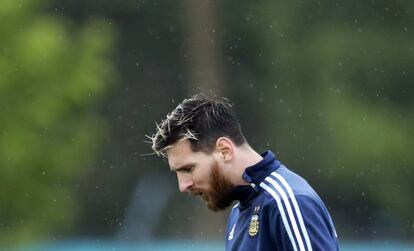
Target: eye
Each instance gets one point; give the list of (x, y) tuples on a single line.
[(188, 169)]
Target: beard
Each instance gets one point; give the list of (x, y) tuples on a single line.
[(220, 195)]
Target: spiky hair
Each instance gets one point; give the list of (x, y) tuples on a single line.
[(201, 120)]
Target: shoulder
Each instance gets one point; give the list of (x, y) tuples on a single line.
[(298, 211), (285, 182), (286, 192)]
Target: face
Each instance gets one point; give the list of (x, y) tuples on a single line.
[(200, 174)]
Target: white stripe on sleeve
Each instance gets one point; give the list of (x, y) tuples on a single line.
[(297, 209), (282, 213), (290, 212)]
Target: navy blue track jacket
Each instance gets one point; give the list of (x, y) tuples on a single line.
[(279, 210)]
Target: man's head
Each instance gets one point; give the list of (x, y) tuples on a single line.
[(199, 138)]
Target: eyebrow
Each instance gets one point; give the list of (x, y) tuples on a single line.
[(183, 167)]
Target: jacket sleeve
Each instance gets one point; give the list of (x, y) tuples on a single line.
[(304, 226)]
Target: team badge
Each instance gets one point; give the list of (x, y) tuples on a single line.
[(254, 222)]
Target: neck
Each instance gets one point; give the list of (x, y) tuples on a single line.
[(245, 156)]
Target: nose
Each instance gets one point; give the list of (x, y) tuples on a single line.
[(184, 183)]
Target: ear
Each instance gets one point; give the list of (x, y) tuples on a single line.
[(225, 148)]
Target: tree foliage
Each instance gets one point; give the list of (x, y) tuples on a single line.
[(52, 75)]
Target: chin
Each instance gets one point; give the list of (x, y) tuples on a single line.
[(216, 207)]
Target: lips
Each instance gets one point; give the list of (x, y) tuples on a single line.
[(200, 194), (203, 196), (196, 193)]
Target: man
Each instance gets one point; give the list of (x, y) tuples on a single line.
[(276, 208)]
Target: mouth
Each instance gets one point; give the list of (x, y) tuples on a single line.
[(195, 193), (202, 195)]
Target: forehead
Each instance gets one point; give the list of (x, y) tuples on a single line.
[(181, 154)]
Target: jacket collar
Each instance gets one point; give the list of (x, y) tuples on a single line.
[(254, 175), (259, 171)]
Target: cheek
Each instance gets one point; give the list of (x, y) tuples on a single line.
[(203, 176)]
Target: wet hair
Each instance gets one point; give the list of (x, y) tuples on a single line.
[(201, 120)]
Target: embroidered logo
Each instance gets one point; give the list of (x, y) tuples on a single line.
[(254, 222)]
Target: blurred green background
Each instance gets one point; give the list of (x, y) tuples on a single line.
[(326, 85)]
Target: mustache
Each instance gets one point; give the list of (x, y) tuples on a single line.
[(194, 193)]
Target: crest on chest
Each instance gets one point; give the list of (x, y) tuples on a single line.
[(254, 222)]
